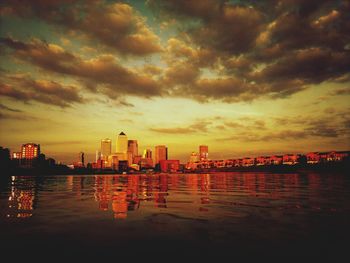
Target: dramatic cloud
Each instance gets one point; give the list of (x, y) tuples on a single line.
[(50, 92), (332, 124), (215, 24), (18, 117), (261, 49), (103, 73), (173, 130), (4, 107), (118, 25), (197, 126), (229, 51), (340, 92), (313, 65)]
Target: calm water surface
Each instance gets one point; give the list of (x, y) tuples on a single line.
[(231, 214)]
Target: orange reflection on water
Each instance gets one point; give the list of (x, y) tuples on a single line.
[(120, 195), (21, 199), (119, 204)]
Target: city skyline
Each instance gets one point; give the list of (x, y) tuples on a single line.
[(246, 78)]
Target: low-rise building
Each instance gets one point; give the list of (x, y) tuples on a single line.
[(276, 159), (290, 159), (248, 161), (169, 166)]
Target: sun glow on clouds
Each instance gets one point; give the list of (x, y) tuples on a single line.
[(182, 73)]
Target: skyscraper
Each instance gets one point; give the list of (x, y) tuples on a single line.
[(133, 147), (122, 146), (106, 148), (161, 153), (147, 153), (203, 152)]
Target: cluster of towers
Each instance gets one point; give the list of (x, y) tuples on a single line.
[(126, 154)]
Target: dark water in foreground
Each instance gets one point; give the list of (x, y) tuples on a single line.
[(249, 215)]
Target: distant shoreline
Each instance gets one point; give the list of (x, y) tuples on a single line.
[(339, 167)]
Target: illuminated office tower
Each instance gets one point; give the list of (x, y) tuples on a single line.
[(161, 153), (133, 147), (147, 153), (122, 146), (106, 148), (203, 152), (30, 151)]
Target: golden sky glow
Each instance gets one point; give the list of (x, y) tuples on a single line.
[(244, 77)]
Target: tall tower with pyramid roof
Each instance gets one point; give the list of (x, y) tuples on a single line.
[(122, 144)]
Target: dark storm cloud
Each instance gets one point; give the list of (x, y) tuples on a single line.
[(49, 92), (117, 26), (102, 73)]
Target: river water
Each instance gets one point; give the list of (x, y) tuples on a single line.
[(249, 215)]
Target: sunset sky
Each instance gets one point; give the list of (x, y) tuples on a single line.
[(245, 78)]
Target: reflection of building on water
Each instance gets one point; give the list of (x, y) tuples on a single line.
[(119, 205), (123, 194), (102, 189), (121, 191), (21, 198)]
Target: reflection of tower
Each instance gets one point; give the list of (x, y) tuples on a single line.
[(203, 152), (21, 201), (102, 184), (161, 153), (106, 148), (122, 146), (159, 196), (119, 204)]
